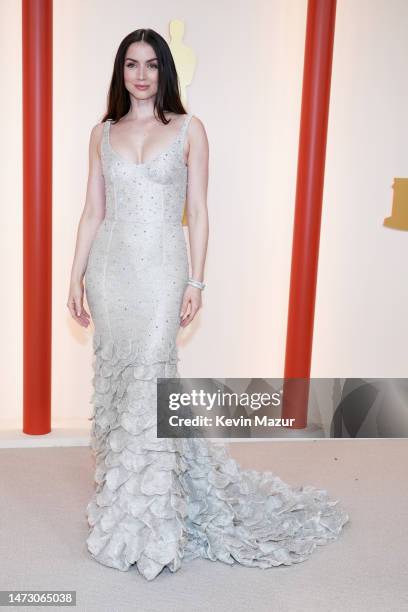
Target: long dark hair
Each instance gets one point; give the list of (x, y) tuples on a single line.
[(168, 93)]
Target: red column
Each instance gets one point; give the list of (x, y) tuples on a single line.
[(37, 214), (321, 15)]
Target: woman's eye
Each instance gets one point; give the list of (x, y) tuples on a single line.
[(149, 65)]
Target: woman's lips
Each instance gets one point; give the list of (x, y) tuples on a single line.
[(141, 87)]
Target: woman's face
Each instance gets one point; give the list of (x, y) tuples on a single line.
[(141, 68)]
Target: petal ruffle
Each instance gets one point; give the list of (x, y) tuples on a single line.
[(160, 502)]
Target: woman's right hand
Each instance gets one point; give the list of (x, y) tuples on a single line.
[(75, 304)]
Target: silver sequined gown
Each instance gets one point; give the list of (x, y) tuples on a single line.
[(161, 502)]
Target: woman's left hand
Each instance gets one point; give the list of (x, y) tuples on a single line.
[(192, 302)]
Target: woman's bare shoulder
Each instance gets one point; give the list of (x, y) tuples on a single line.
[(196, 128), (96, 136), (97, 130)]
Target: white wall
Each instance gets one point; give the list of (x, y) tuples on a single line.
[(361, 325), (247, 91), (11, 236)]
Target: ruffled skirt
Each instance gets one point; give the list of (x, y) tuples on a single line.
[(163, 502)]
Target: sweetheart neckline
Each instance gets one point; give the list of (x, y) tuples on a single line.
[(146, 163)]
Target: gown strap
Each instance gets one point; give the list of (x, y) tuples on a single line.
[(105, 135), (184, 127)]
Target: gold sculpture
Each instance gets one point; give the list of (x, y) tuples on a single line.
[(185, 60), (399, 214)]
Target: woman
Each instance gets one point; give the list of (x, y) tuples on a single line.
[(159, 502)]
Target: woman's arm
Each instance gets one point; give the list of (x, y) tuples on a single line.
[(197, 215), (92, 216)]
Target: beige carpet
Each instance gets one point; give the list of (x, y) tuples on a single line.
[(44, 492)]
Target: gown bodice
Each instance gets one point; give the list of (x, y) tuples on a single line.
[(153, 191)]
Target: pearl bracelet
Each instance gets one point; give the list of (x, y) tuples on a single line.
[(195, 283)]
